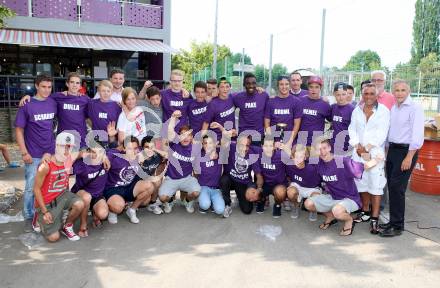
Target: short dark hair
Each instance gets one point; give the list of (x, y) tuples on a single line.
[(200, 84), (116, 71), (146, 139), (72, 75), (130, 139), (152, 91), (295, 72), (247, 76), (212, 81), (223, 80), (349, 87), (365, 82), (43, 77)]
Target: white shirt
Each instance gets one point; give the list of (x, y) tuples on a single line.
[(136, 127), (116, 96), (373, 132)]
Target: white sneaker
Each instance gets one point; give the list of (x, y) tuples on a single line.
[(295, 212), (167, 207), (131, 213), (112, 218), (69, 233), (313, 216), (189, 205), (227, 212), (155, 208), (287, 205)]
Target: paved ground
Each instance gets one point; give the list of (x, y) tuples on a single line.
[(181, 250)]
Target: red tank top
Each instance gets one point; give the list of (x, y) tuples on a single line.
[(55, 183)]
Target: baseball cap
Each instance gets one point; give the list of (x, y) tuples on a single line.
[(65, 138), (315, 79), (340, 86)]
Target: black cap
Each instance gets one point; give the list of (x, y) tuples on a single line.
[(340, 86)]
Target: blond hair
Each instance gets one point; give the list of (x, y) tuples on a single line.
[(126, 92), (105, 83), (177, 72)]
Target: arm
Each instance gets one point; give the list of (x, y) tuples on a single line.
[(161, 153), (267, 125), (260, 181), (143, 93), (171, 134), (25, 99), (42, 171), (205, 128), (27, 158)]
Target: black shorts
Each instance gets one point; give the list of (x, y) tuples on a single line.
[(125, 192), (267, 190), (96, 200)]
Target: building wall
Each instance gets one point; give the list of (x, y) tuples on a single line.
[(7, 119)]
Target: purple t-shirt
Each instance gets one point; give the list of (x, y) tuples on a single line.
[(301, 93), (197, 112), (340, 181), (121, 172), (72, 114), (306, 177), (37, 120), (272, 168), (180, 161), (283, 110), (102, 113), (341, 118), (85, 173), (221, 111), (172, 101), (210, 172), (239, 168), (314, 114), (252, 108)]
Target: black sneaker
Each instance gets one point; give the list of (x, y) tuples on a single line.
[(260, 207), (202, 211), (362, 217), (276, 212)]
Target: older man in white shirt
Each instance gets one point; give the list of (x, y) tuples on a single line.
[(368, 132), (117, 77)]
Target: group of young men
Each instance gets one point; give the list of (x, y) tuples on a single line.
[(130, 150)]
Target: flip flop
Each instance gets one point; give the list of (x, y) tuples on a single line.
[(326, 225), (346, 230), (83, 233)]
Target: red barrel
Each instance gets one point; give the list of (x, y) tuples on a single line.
[(425, 177)]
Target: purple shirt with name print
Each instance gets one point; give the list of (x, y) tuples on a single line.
[(272, 168), (240, 168), (301, 93), (252, 108), (197, 112), (122, 172), (91, 178), (102, 113), (172, 101), (221, 111), (37, 120), (283, 110), (210, 172), (341, 118), (314, 114), (180, 161), (72, 114), (338, 174), (306, 177)]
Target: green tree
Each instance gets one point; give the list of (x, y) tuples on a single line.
[(429, 69), (363, 60), (5, 12), (426, 30)]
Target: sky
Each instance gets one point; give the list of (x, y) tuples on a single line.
[(384, 26)]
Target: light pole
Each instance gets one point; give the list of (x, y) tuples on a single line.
[(214, 64)]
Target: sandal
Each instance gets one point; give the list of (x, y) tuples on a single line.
[(83, 232), (97, 223), (346, 230), (326, 225)]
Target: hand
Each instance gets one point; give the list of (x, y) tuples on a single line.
[(214, 155), (106, 163), (176, 114), (185, 93), (215, 125), (148, 84), (27, 158), (111, 129), (47, 218), (260, 90), (366, 156), (24, 100), (234, 133), (46, 158), (406, 163), (65, 93), (360, 150), (279, 145)]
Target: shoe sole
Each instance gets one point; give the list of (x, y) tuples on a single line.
[(71, 239), (276, 217)]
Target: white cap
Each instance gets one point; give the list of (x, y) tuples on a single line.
[(65, 138)]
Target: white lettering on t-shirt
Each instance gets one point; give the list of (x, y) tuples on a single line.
[(250, 105), (176, 103), (46, 116), (227, 112), (337, 118), (73, 107), (94, 174), (199, 111), (298, 178), (332, 178), (182, 158), (102, 115), (281, 111), (209, 164), (310, 112), (269, 166)]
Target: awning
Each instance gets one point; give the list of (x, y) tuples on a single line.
[(57, 39)]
